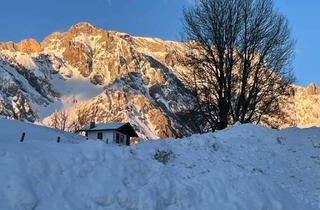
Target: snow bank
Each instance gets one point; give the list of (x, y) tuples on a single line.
[(12, 130), (245, 167)]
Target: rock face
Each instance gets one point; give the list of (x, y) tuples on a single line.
[(108, 76), (25, 46), (24, 84), (29, 46), (136, 78), (303, 107), (114, 106), (312, 89)]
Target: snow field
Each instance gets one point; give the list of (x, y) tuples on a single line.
[(243, 167)]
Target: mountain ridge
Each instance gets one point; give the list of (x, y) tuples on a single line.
[(110, 76)]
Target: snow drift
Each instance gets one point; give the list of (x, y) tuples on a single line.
[(243, 167)]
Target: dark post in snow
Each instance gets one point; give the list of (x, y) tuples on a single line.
[(58, 139), (22, 137)]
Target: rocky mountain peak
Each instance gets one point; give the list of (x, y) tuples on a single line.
[(83, 27), (10, 46), (25, 46), (312, 89), (29, 46)]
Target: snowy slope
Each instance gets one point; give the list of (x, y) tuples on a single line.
[(11, 132), (244, 167)]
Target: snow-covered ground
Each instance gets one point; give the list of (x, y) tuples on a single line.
[(243, 167)]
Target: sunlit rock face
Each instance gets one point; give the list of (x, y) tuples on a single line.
[(128, 78), (118, 76), (312, 89), (27, 46), (304, 107), (114, 106)]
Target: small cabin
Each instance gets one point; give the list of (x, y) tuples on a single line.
[(110, 133)]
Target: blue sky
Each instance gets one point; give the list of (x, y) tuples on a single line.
[(21, 19)]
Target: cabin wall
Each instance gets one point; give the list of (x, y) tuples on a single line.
[(108, 136)]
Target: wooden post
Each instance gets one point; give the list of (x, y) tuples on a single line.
[(58, 139), (22, 137)]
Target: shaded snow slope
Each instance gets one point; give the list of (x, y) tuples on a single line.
[(244, 167)]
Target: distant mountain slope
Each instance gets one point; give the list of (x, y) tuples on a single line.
[(24, 85), (121, 77), (304, 107), (244, 167), (85, 62)]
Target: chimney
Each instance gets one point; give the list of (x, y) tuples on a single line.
[(92, 124)]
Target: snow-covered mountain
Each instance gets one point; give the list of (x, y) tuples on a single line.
[(243, 167), (121, 77), (109, 76)]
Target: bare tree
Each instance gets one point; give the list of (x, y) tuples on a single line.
[(54, 120), (82, 118), (63, 120), (59, 120), (238, 53)]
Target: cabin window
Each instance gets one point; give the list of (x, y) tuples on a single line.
[(86, 133), (99, 135), (117, 138)]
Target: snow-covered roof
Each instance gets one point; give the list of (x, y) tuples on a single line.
[(122, 127), (104, 126)]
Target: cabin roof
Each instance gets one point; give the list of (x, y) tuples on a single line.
[(121, 127)]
